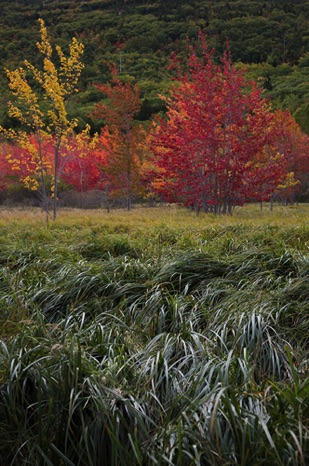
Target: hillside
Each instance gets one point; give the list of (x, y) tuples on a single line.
[(271, 38)]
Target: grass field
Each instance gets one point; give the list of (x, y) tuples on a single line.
[(154, 337)]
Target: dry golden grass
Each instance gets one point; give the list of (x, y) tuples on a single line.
[(170, 215)]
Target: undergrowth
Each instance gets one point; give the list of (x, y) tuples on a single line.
[(154, 343)]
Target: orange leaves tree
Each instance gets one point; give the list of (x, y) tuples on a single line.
[(122, 139), (40, 105), (294, 144), (216, 125), (281, 169)]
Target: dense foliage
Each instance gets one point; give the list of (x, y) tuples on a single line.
[(31, 87), (219, 146), (270, 37), (160, 340)]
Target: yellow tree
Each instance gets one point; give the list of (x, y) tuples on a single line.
[(40, 105)]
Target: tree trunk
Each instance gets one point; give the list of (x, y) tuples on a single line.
[(45, 205), (271, 204), (129, 194), (107, 198), (45, 198), (56, 163)]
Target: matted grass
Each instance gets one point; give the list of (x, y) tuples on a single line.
[(154, 337)]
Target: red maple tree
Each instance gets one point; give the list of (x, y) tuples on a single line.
[(217, 124), (82, 165)]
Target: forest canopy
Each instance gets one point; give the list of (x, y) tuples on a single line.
[(269, 38)]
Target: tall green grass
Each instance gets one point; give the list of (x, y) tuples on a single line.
[(161, 338)]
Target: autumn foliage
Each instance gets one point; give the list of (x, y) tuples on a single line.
[(39, 104), (122, 140), (219, 145)]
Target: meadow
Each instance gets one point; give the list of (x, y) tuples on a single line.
[(154, 337)]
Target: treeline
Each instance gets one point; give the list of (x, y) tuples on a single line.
[(269, 37), (219, 145)]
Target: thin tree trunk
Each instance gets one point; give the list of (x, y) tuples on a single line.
[(107, 198), (204, 203), (271, 204), (129, 160), (56, 163), (129, 192), (45, 205), (216, 204), (45, 199)]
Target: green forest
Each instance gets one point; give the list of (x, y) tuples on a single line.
[(269, 38)]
